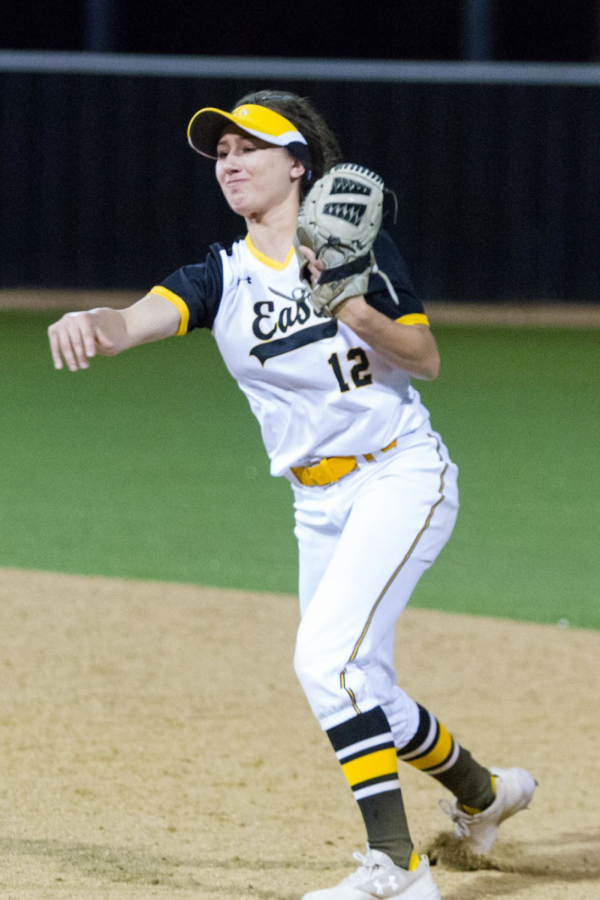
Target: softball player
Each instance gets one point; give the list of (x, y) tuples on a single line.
[(375, 492)]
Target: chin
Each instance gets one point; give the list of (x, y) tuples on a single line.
[(247, 210), (240, 205)]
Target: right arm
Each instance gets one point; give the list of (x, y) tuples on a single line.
[(78, 337)]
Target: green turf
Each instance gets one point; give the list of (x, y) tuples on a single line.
[(150, 465), (519, 410)]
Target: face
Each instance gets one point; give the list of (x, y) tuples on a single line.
[(256, 177)]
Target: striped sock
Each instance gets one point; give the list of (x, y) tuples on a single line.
[(365, 748), (434, 751)]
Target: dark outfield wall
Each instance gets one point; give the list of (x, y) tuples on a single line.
[(498, 185)]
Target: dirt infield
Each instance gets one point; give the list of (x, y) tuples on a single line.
[(548, 315), (154, 743)]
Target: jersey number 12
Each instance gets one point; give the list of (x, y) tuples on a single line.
[(358, 372)]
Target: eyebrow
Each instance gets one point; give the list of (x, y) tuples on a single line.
[(244, 137)]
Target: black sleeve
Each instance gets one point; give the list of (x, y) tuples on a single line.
[(378, 296), (200, 287)]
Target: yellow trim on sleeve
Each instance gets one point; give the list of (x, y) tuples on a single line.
[(413, 319), (266, 260), (179, 304), (381, 762)]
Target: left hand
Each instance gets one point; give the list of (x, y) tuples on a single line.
[(315, 266)]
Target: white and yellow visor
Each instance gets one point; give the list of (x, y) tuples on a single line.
[(207, 125)]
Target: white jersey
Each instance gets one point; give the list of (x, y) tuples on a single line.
[(316, 388)]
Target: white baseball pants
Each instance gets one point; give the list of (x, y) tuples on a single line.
[(364, 542)]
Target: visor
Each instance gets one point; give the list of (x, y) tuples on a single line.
[(207, 125)]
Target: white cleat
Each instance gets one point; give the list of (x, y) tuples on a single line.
[(378, 877), (514, 791)]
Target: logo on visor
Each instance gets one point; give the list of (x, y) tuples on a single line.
[(242, 111)]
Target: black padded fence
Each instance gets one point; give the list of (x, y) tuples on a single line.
[(497, 183)]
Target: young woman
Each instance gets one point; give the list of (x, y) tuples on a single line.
[(374, 488)]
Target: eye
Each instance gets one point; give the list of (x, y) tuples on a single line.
[(249, 148), (221, 154)]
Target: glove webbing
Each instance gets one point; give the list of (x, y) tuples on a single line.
[(355, 268), (345, 271)]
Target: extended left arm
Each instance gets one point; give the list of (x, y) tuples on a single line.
[(410, 347)]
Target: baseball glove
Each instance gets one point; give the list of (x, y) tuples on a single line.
[(339, 220)]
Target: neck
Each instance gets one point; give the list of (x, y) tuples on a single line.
[(272, 232)]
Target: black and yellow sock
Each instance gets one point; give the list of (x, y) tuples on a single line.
[(365, 748), (434, 751)]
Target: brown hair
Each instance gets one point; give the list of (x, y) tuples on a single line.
[(323, 146)]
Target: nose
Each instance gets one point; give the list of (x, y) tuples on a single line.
[(231, 162)]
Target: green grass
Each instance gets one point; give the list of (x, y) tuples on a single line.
[(150, 465), (519, 410)]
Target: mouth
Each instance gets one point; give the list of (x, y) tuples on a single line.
[(235, 181)]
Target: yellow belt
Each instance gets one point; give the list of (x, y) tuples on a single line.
[(328, 470)]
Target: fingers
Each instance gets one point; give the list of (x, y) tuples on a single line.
[(67, 349), (61, 347), (310, 255), (90, 334), (83, 336), (55, 348), (73, 339), (315, 266), (311, 258), (81, 341)]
